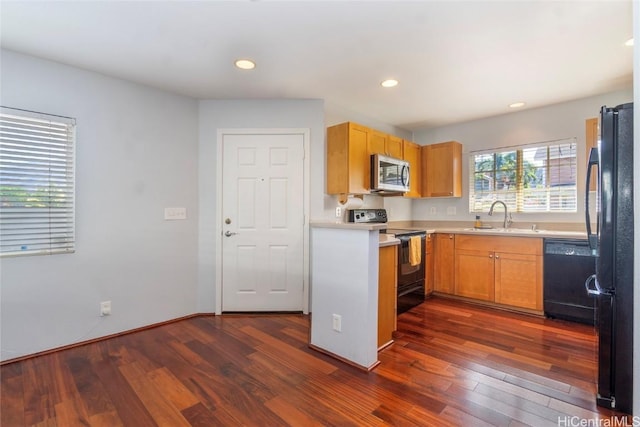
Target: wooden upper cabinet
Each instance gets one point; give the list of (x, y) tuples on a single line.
[(349, 150), (591, 141), (442, 170), (395, 147), (382, 143), (412, 155), (377, 142), (348, 165)]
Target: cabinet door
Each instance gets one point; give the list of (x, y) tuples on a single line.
[(518, 280), (474, 274), (412, 155), (377, 142), (395, 147), (387, 294), (442, 170), (443, 273), (429, 264), (347, 159)]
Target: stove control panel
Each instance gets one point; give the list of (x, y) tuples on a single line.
[(367, 215)]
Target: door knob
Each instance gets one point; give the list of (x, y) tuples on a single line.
[(229, 233)]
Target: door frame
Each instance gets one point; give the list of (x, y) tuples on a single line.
[(306, 133)]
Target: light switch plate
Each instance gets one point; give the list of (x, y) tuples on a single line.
[(175, 213)]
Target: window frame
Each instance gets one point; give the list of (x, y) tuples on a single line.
[(37, 183), (517, 197)]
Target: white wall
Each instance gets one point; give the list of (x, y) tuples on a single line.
[(137, 153), (256, 114), (550, 123)]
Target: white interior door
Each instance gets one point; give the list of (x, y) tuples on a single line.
[(263, 222)]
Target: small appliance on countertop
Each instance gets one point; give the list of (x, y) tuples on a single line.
[(410, 277)]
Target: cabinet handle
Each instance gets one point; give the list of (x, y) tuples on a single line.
[(497, 256), (451, 236), (490, 255)]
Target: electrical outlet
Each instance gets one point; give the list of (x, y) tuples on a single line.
[(338, 212), (451, 210), (175, 213), (105, 308), (337, 323), (433, 210)]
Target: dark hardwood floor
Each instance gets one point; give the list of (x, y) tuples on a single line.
[(452, 364)]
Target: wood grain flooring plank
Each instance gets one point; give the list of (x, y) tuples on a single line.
[(479, 378), (128, 406), (89, 386), (455, 417), (38, 402), (163, 412), (199, 415), (12, 401), (172, 388), (509, 411), (518, 402), (71, 413), (290, 413), (105, 419)]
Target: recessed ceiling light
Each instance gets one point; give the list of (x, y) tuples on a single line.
[(245, 64), (629, 42), (516, 105), (389, 83)]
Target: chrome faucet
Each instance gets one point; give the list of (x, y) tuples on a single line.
[(507, 221)]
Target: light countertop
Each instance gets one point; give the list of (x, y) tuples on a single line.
[(388, 240), (541, 232)]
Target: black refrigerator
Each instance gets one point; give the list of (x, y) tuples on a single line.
[(612, 243)]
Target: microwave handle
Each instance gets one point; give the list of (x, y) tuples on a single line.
[(404, 173)]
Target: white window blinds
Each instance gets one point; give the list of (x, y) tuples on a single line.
[(37, 192), (533, 178)]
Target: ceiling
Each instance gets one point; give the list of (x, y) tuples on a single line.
[(455, 60)]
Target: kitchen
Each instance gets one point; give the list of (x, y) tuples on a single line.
[(337, 268), (195, 123)]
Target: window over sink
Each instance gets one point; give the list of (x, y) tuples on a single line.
[(538, 177)]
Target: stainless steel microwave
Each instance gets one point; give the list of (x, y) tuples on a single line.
[(389, 174)]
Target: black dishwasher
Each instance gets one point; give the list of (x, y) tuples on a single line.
[(567, 265)]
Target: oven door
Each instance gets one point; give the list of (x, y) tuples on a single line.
[(410, 277)]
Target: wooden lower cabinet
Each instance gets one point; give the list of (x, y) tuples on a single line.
[(518, 280), (387, 294), (429, 265), (444, 258), (474, 274), (503, 270)]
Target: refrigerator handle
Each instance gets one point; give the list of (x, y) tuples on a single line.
[(596, 289), (593, 161)]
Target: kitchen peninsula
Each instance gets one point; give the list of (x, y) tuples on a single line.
[(344, 290)]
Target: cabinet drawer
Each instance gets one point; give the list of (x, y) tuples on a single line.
[(516, 245)]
